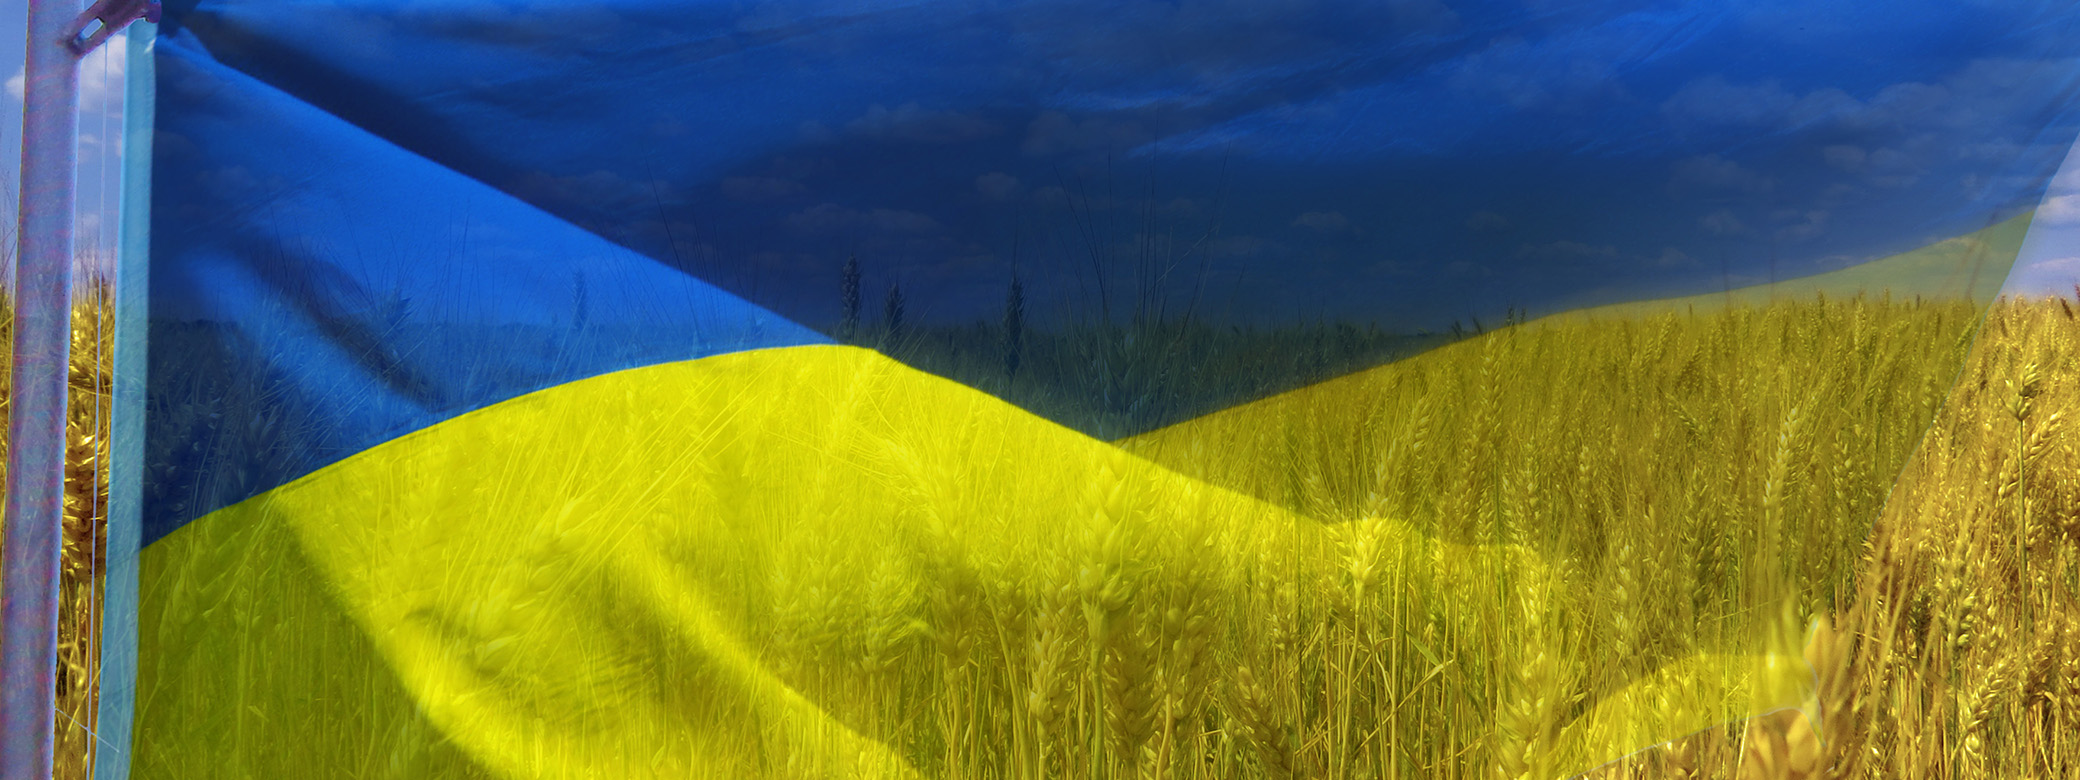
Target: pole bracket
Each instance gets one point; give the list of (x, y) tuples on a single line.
[(112, 16)]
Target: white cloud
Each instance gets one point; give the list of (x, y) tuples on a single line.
[(760, 188), (1423, 15), (1566, 250), (833, 217), (997, 185), (101, 77), (1893, 168), (1845, 157), (2067, 182), (2050, 276), (913, 123), (669, 127), (1326, 222), (1672, 257), (1487, 222), (100, 80), (1054, 132), (1467, 268), (1712, 172), (2060, 210), (1180, 207), (1531, 76), (1723, 223), (1808, 225), (1239, 246), (815, 133), (1712, 100), (799, 167), (1974, 114), (1995, 151), (2068, 265)]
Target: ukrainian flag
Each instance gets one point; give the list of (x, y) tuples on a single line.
[(471, 454)]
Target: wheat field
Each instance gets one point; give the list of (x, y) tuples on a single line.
[(85, 509), (1957, 654), (1532, 553), (1742, 458)]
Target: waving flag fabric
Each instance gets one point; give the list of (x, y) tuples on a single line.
[(628, 388)]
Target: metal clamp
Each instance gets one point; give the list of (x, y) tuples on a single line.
[(114, 15)]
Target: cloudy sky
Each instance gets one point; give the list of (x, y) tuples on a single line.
[(1407, 162), (2050, 261)]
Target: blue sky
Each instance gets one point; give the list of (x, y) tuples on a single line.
[(101, 78), (1408, 162)]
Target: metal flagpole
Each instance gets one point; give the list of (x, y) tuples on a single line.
[(126, 417), (58, 36), (36, 410)]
